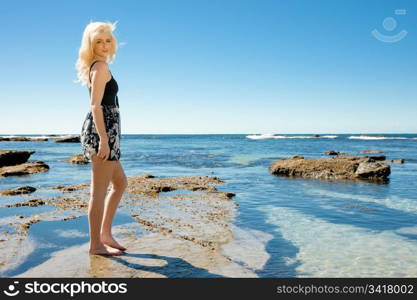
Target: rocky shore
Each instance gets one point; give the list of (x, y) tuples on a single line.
[(14, 162), (335, 168), (182, 221)]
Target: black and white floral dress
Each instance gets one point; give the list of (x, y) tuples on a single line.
[(90, 139)]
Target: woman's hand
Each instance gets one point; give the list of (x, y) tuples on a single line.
[(103, 149)]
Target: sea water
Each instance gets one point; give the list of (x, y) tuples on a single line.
[(284, 227)]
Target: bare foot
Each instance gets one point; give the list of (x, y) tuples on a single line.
[(102, 250), (110, 241)]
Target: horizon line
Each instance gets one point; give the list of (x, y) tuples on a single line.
[(307, 133)]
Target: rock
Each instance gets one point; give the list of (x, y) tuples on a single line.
[(316, 135), (69, 139), (14, 157), (15, 139), (148, 184), (332, 152), (18, 191), (65, 203), (22, 139), (377, 157), (371, 151), (25, 226), (229, 194), (401, 160), (298, 157), (364, 168), (23, 169), (187, 228), (31, 202), (372, 170), (71, 188), (78, 159)]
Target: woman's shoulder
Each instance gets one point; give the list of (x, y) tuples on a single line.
[(99, 66)]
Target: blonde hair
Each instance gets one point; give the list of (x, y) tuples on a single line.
[(86, 51)]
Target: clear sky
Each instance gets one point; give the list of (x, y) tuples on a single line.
[(216, 66)]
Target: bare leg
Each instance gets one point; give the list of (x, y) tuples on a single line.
[(119, 184), (101, 172)]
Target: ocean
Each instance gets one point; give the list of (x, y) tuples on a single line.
[(286, 227)]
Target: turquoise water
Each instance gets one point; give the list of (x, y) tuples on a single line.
[(304, 227)]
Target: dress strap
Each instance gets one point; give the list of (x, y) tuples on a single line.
[(89, 75)]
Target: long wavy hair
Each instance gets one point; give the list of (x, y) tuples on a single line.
[(86, 51)]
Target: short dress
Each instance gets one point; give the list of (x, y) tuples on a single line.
[(89, 138)]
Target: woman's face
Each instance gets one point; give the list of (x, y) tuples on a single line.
[(102, 44)]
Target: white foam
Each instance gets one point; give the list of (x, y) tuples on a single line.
[(339, 250), (329, 136), (407, 230), (272, 136), (248, 247), (394, 202), (261, 137), (368, 137), (281, 137)]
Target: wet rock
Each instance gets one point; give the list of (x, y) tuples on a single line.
[(147, 184), (70, 218), (372, 171), (71, 188), (15, 139), (371, 151), (401, 160), (24, 169), (229, 194), (351, 168), (18, 191), (69, 139), (74, 203), (333, 152), (25, 226), (200, 216), (31, 202), (78, 159), (198, 219), (22, 139), (14, 157), (377, 157)]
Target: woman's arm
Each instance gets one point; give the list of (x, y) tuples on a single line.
[(98, 83)]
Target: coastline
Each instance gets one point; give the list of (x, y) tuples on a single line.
[(177, 233)]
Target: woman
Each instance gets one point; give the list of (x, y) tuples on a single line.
[(100, 135)]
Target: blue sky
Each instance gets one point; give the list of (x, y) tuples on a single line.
[(216, 66)]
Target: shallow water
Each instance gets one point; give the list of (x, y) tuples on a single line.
[(285, 227)]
